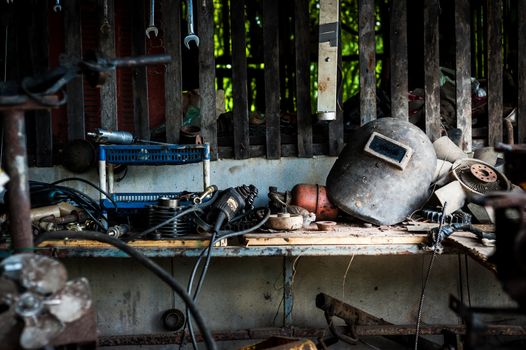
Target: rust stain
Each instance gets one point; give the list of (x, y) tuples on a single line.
[(322, 86)]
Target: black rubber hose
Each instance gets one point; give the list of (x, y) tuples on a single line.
[(146, 262), (88, 183)]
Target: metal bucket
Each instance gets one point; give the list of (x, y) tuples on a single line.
[(383, 174)]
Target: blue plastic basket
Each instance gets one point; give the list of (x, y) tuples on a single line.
[(154, 154), (140, 200)]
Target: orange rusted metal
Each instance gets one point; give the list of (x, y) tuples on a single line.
[(314, 199)]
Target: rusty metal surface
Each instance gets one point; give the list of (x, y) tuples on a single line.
[(263, 333), (314, 199), (18, 187)]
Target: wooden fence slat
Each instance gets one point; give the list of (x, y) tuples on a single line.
[(272, 86), (108, 91), (399, 65), (303, 107), (75, 89), (207, 74), (140, 80), (366, 14), (173, 76), (463, 71), (39, 52), (495, 72), (336, 128), (431, 69), (239, 80), (521, 110)]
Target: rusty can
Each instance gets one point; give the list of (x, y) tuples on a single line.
[(314, 199)]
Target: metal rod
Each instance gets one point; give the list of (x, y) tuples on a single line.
[(288, 297), (19, 206)]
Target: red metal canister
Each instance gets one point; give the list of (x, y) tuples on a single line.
[(314, 199)]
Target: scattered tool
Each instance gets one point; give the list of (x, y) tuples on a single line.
[(190, 19), (57, 7), (208, 191), (118, 137), (151, 26)]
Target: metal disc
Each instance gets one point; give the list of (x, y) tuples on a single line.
[(483, 173), (72, 302)]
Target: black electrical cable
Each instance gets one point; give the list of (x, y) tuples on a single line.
[(88, 183), (137, 235), (205, 268), (146, 262)]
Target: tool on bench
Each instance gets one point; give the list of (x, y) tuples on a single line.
[(437, 235), (118, 137)]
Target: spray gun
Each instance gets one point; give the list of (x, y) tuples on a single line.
[(117, 137)]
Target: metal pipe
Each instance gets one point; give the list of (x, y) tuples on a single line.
[(19, 208)]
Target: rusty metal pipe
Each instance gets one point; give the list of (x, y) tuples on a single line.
[(19, 208)]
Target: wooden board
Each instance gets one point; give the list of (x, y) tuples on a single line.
[(426, 226), (108, 90), (188, 242), (521, 81), (495, 72), (366, 39), (399, 65), (471, 245), (342, 235), (431, 69)]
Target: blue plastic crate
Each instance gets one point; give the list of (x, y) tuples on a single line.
[(154, 154), (140, 200)]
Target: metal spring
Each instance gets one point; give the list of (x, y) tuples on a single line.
[(180, 227), (249, 193), (458, 217)]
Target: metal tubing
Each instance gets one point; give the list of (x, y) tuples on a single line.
[(288, 297), (18, 186)]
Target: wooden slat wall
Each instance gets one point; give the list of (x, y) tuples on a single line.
[(39, 52), (431, 68), (521, 110), (303, 107), (173, 83), (272, 92), (239, 80), (463, 68), (108, 91), (207, 73), (366, 21), (140, 81), (336, 134), (399, 66), (494, 54), (75, 91)]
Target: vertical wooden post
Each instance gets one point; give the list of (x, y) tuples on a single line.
[(75, 89), (463, 70), (494, 54), (521, 110), (239, 80), (207, 74), (39, 52), (399, 66), (173, 76), (271, 58), (431, 69), (140, 79), (367, 61), (303, 107), (336, 141), (108, 91)]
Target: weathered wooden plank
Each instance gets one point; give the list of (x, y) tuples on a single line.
[(173, 76), (399, 65), (141, 114), (495, 72), (207, 74), (39, 52), (463, 71), (272, 86), (239, 80), (303, 107), (225, 20), (75, 90), (108, 91), (367, 61), (521, 110), (431, 69), (336, 128)]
